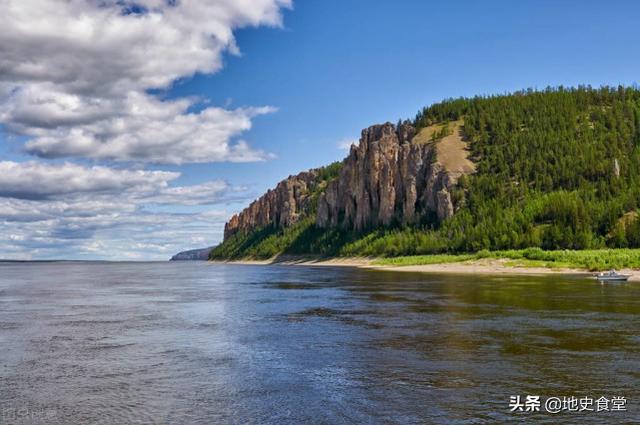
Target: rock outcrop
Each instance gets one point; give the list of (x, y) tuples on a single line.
[(387, 179), (281, 207)]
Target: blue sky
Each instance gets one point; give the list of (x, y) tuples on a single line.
[(338, 66), (307, 77)]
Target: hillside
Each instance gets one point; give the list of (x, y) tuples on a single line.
[(199, 254), (555, 169)]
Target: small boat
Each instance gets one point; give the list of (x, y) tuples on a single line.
[(612, 276)]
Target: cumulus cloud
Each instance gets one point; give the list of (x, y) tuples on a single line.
[(139, 127), (34, 180), (37, 181), (80, 79), (75, 77), (68, 210), (110, 234)]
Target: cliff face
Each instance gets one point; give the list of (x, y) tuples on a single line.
[(281, 206), (391, 176), (387, 178)]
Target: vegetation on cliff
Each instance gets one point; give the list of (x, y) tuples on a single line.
[(555, 169)]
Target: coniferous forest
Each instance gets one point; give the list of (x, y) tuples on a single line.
[(555, 169)]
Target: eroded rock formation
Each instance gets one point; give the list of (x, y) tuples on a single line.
[(281, 206), (387, 179)]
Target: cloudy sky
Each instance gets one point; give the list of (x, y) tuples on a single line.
[(134, 129)]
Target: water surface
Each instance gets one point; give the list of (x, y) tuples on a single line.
[(174, 343)]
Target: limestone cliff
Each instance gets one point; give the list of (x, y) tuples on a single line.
[(393, 176), (281, 206), (388, 178)]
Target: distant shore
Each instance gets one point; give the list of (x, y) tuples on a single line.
[(487, 266)]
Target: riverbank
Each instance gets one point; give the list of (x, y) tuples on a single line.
[(308, 261), (518, 262)]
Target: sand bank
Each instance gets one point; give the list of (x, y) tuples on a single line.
[(483, 266)]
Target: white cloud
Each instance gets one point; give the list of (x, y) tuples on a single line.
[(139, 127), (68, 210), (77, 78), (345, 144), (96, 46), (113, 234), (36, 181), (205, 193), (75, 75)]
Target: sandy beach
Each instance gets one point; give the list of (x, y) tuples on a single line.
[(483, 266)]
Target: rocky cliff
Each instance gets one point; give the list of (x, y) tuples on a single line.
[(280, 207), (387, 179), (392, 176)]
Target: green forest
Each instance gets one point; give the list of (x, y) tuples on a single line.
[(556, 169)]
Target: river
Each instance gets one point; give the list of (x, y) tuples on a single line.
[(196, 343)]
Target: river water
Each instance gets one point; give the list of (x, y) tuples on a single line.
[(195, 343)]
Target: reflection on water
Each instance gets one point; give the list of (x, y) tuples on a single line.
[(198, 343)]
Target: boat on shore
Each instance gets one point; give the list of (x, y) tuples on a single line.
[(612, 276)]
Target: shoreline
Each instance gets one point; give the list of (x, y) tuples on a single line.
[(482, 266)]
